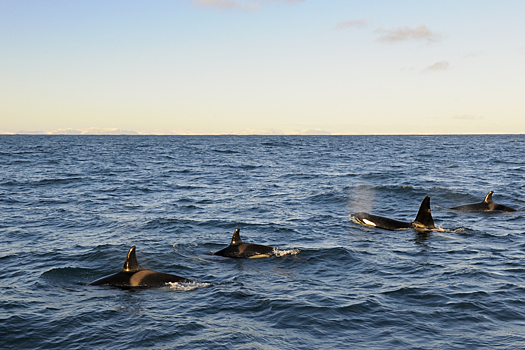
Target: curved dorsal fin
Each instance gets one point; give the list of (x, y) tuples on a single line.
[(424, 217), (488, 197), (131, 264), (236, 239)]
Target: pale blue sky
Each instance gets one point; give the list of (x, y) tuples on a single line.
[(221, 66)]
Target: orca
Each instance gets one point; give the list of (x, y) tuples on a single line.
[(239, 249), (423, 221), (134, 276), (486, 205)]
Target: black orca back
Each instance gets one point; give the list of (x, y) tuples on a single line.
[(239, 249), (133, 276), (487, 205), (379, 221)]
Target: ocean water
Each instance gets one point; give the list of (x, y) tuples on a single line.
[(72, 206)]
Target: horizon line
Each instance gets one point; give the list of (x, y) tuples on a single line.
[(243, 132)]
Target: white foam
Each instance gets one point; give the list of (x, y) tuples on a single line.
[(278, 253), (354, 219), (187, 286)]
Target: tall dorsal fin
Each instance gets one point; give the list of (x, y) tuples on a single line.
[(236, 239), (131, 264), (424, 217), (488, 197)]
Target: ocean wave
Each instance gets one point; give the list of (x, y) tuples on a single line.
[(227, 151)]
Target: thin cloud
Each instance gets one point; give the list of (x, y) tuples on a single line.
[(224, 5), (473, 54), (289, 1), (407, 33), (409, 69), (467, 117), (438, 66), (349, 24)]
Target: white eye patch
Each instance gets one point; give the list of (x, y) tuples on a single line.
[(368, 222)]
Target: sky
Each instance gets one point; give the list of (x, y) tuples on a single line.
[(262, 66)]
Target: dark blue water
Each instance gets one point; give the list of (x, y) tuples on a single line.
[(72, 206)]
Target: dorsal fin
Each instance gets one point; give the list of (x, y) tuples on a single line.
[(424, 217), (236, 239), (131, 264), (488, 197)]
